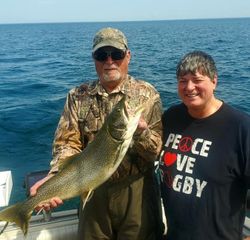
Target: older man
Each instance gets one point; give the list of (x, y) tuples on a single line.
[(126, 207)]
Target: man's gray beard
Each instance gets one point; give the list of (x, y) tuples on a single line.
[(106, 77)]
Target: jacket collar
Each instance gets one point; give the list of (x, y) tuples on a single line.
[(96, 87)]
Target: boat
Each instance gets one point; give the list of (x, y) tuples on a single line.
[(59, 225)]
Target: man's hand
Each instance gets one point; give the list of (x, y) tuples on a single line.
[(53, 203), (142, 125)]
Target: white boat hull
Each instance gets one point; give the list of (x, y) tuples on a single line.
[(62, 225)]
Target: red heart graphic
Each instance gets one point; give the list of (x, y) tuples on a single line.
[(169, 158)]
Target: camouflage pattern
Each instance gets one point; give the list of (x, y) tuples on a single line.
[(110, 37), (85, 110)]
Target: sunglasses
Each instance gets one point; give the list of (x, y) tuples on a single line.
[(102, 55)]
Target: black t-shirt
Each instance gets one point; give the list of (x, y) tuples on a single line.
[(205, 173)]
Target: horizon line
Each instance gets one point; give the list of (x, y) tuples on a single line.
[(120, 21)]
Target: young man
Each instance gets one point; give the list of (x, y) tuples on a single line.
[(126, 207), (205, 162)]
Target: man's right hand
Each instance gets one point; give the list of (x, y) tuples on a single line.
[(53, 202)]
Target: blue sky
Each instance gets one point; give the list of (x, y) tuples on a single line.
[(33, 11)]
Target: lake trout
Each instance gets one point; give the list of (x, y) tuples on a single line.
[(81, 173)]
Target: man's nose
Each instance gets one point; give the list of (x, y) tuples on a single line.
[(109, 60)]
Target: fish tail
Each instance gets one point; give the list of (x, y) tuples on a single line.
[(18, 214)]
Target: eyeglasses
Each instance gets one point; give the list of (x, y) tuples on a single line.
[(102, 55)]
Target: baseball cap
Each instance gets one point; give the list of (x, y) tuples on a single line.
[(110, 37)]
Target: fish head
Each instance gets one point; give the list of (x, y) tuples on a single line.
[(123, 120)]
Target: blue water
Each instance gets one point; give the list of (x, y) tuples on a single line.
[(39, 63)]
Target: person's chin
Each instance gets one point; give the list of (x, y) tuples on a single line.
[(192, 103), (112, 77)]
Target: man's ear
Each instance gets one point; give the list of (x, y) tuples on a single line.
[(128, 56)]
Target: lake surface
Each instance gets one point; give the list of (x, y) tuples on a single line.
[(40, 63)]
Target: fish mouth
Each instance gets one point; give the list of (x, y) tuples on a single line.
[(139, 109), (126, 110), (130, 115), (133, 120)]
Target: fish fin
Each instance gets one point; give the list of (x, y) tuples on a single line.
[(18, 214), (5, 226), (86, 197)]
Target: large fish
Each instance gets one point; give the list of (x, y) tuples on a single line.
[(84, 172)]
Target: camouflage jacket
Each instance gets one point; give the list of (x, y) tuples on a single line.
[(84, 112)]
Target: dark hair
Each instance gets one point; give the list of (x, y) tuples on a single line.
[(196, 61)]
